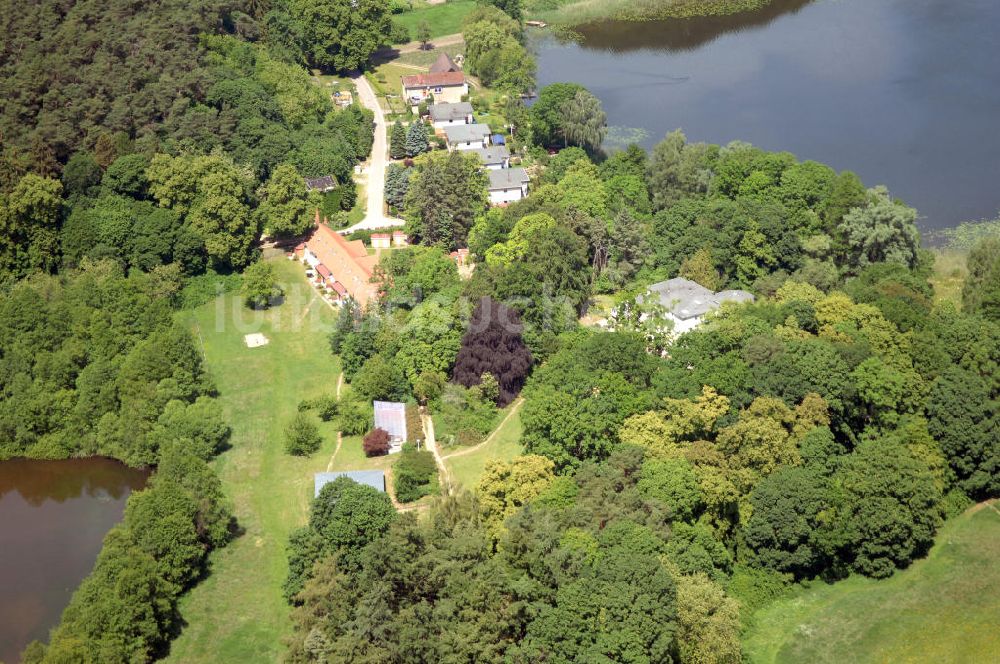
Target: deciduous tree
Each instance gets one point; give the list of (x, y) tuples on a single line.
[(259, 286), (286, 208), (341, 35), (492, 344)]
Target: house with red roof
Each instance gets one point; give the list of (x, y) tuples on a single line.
[(447, 86), (342, 265)]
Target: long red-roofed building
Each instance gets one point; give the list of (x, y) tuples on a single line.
[(342, 265)]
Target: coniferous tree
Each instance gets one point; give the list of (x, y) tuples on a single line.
[(493, 345), (397, 141), (397, 181), (416, 140)]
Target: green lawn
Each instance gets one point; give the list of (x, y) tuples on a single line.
[(427, 58), (444, 19), (942, 609), (237, 614), (466, 469), (949, 275)]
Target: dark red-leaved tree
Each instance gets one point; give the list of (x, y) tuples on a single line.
[(376, 442), (493, 344)]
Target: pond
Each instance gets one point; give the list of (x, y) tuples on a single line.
[(53, 518), (904, 92)]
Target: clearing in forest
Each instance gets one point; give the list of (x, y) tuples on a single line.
[(942, 609), (238, 614)]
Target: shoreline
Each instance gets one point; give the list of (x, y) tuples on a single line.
[(582, 12)]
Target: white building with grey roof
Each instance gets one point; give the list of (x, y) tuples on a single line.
[(449, 115), (687, 302), (467, 136), (507, 185), (494, 157)]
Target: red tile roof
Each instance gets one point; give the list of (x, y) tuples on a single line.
[(444, 78), (322, 270), (347, 261)]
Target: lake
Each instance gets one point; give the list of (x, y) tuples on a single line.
[(53, 518), (904, 92)]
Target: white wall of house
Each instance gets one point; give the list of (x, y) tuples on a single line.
[(469, 145), (501, 196), (441, 124), (448, 94), (682, 325)]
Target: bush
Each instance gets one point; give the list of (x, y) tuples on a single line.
[(415, 474), (206, 287), (376, 442), (302, 436), (468, 437), (354, 417)]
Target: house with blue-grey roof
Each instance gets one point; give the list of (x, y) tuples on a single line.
[(687, 302), (372, 478)]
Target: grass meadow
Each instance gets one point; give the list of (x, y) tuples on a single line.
[(443, 19), (465, 469), (237, 614), (942, 609)]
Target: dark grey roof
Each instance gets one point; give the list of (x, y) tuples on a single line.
[(391, 416), (507, 178), (324, 183), (687, 299), (466, 133), (372, 478), (442, 64), (448, 111), (495, 154)]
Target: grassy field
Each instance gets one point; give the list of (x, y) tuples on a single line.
[(942, 609), (427, 58), (949, 276), (237, 614), (443, 19), (466, 469)]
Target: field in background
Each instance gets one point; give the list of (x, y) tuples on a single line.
[(443, 19), (942, 609), (237, 614), (578, 12)]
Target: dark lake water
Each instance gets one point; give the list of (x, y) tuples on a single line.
[(904, 92), (53, 518)]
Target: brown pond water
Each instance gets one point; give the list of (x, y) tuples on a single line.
[(904, 92), (53, 518)]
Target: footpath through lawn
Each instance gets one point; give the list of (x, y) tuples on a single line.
[(465, 465), (237, 614), (942, 609)]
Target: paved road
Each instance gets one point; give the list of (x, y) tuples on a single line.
[(375, 168)]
